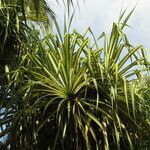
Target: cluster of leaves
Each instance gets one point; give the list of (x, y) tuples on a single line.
[(13, 25), (71, 93)]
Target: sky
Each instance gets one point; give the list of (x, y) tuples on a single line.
[(100, 14)]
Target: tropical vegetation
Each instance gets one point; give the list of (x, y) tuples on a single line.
[(69, 90)]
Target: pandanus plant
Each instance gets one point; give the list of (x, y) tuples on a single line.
[(15, 29), (70, 93)]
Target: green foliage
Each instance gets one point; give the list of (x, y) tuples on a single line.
[(71, 93), (14, 27)]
